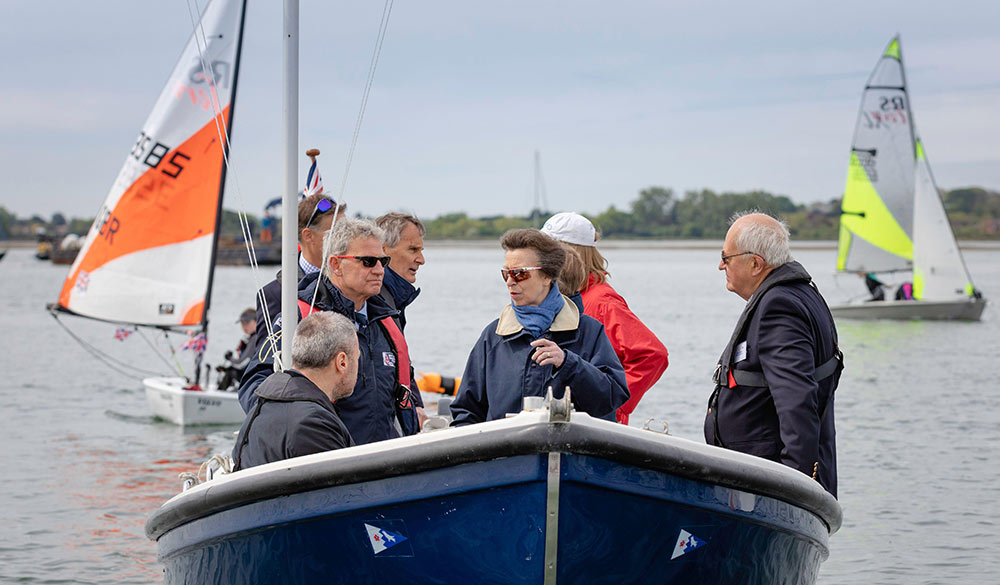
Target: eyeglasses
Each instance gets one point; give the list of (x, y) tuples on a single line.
[(518, 274), (322, 206), (725, 258), (369, 261)]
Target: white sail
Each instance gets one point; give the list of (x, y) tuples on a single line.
[(939, 272), (877, 209), (148, 256)]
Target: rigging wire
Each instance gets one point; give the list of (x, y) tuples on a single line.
[(372, 66), (105, 358), (222, 131)]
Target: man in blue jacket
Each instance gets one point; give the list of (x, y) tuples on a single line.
[(382, 405), (776, 378), (294, 415)]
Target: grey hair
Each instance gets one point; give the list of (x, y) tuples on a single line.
[(346, 230), (767, 240), (394, 223), (320, 337)]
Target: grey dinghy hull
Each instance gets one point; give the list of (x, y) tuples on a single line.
[(958, 310), (521, 500)]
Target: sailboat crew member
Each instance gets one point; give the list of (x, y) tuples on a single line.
[(643, 355), (404, 244), (315, 217), (382, 405), (776, 378), (294, 415)]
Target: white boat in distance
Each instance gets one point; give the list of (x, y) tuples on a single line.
[(149, 257), (892, 219)]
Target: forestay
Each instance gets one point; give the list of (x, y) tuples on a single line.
[(148, 256)]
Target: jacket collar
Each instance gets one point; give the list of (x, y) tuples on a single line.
[(402, 292), (567, 319), (292, 386)]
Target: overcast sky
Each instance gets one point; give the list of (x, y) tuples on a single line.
[(616, 96)]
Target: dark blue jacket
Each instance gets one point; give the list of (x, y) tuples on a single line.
[(292, 418), (500, 371), (397, 293), (789, 332), (271, 295), (370, 413)]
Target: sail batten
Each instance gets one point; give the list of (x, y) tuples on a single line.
[(147, 257)]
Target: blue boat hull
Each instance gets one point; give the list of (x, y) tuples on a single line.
[(491, 520)]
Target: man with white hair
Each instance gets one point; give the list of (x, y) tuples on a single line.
[(776, 378), (382, 405), (294, 415)]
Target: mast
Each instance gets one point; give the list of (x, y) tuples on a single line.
[(289, 207), (222, 189)]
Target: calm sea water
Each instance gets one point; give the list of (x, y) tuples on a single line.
[(918, 412)]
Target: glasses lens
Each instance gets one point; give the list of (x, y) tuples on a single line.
[(367, 261), (384, 260), (324, 205), (518, 274)]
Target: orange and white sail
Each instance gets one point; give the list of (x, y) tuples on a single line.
[(148, 256)]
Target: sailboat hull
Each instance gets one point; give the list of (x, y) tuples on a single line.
[(521, 501), (168, 400), (958, 310)]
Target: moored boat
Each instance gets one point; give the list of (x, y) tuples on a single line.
[(546, 496), (174, 400)]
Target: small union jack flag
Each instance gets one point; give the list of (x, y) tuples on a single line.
[(196, 343), (314, 182), (121, 333)]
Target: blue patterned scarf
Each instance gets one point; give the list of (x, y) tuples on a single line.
[(537, 320)]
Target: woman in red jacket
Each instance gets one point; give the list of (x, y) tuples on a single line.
[(641, 353)]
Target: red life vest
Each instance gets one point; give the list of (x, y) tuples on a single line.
[(395, 337)]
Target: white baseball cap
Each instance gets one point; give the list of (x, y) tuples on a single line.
[(572, 228)]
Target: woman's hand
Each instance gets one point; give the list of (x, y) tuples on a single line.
[(547, 353)]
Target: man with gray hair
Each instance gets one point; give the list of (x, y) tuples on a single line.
[(776, 378), (404, 243), (382, 405), (295, 414)]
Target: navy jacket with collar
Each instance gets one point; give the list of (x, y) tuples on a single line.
[(370, 412), (500, 371), (789, 332), (397, 293), (292, 418)]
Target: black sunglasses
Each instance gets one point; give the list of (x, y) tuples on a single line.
[(322, 206), (369, 261)]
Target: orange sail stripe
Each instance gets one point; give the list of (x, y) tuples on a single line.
[(193, 315), (176, 201)]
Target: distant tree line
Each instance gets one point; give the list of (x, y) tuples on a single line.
[(657, 213)]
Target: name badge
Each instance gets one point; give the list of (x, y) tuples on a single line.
[(741, 352)]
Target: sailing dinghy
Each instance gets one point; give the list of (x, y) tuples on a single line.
[(149, 257), (892, 219)]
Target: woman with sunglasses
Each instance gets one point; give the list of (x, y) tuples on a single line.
[(540, 341)]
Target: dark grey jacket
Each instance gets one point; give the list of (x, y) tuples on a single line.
[(292, 417), (786, 414)]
